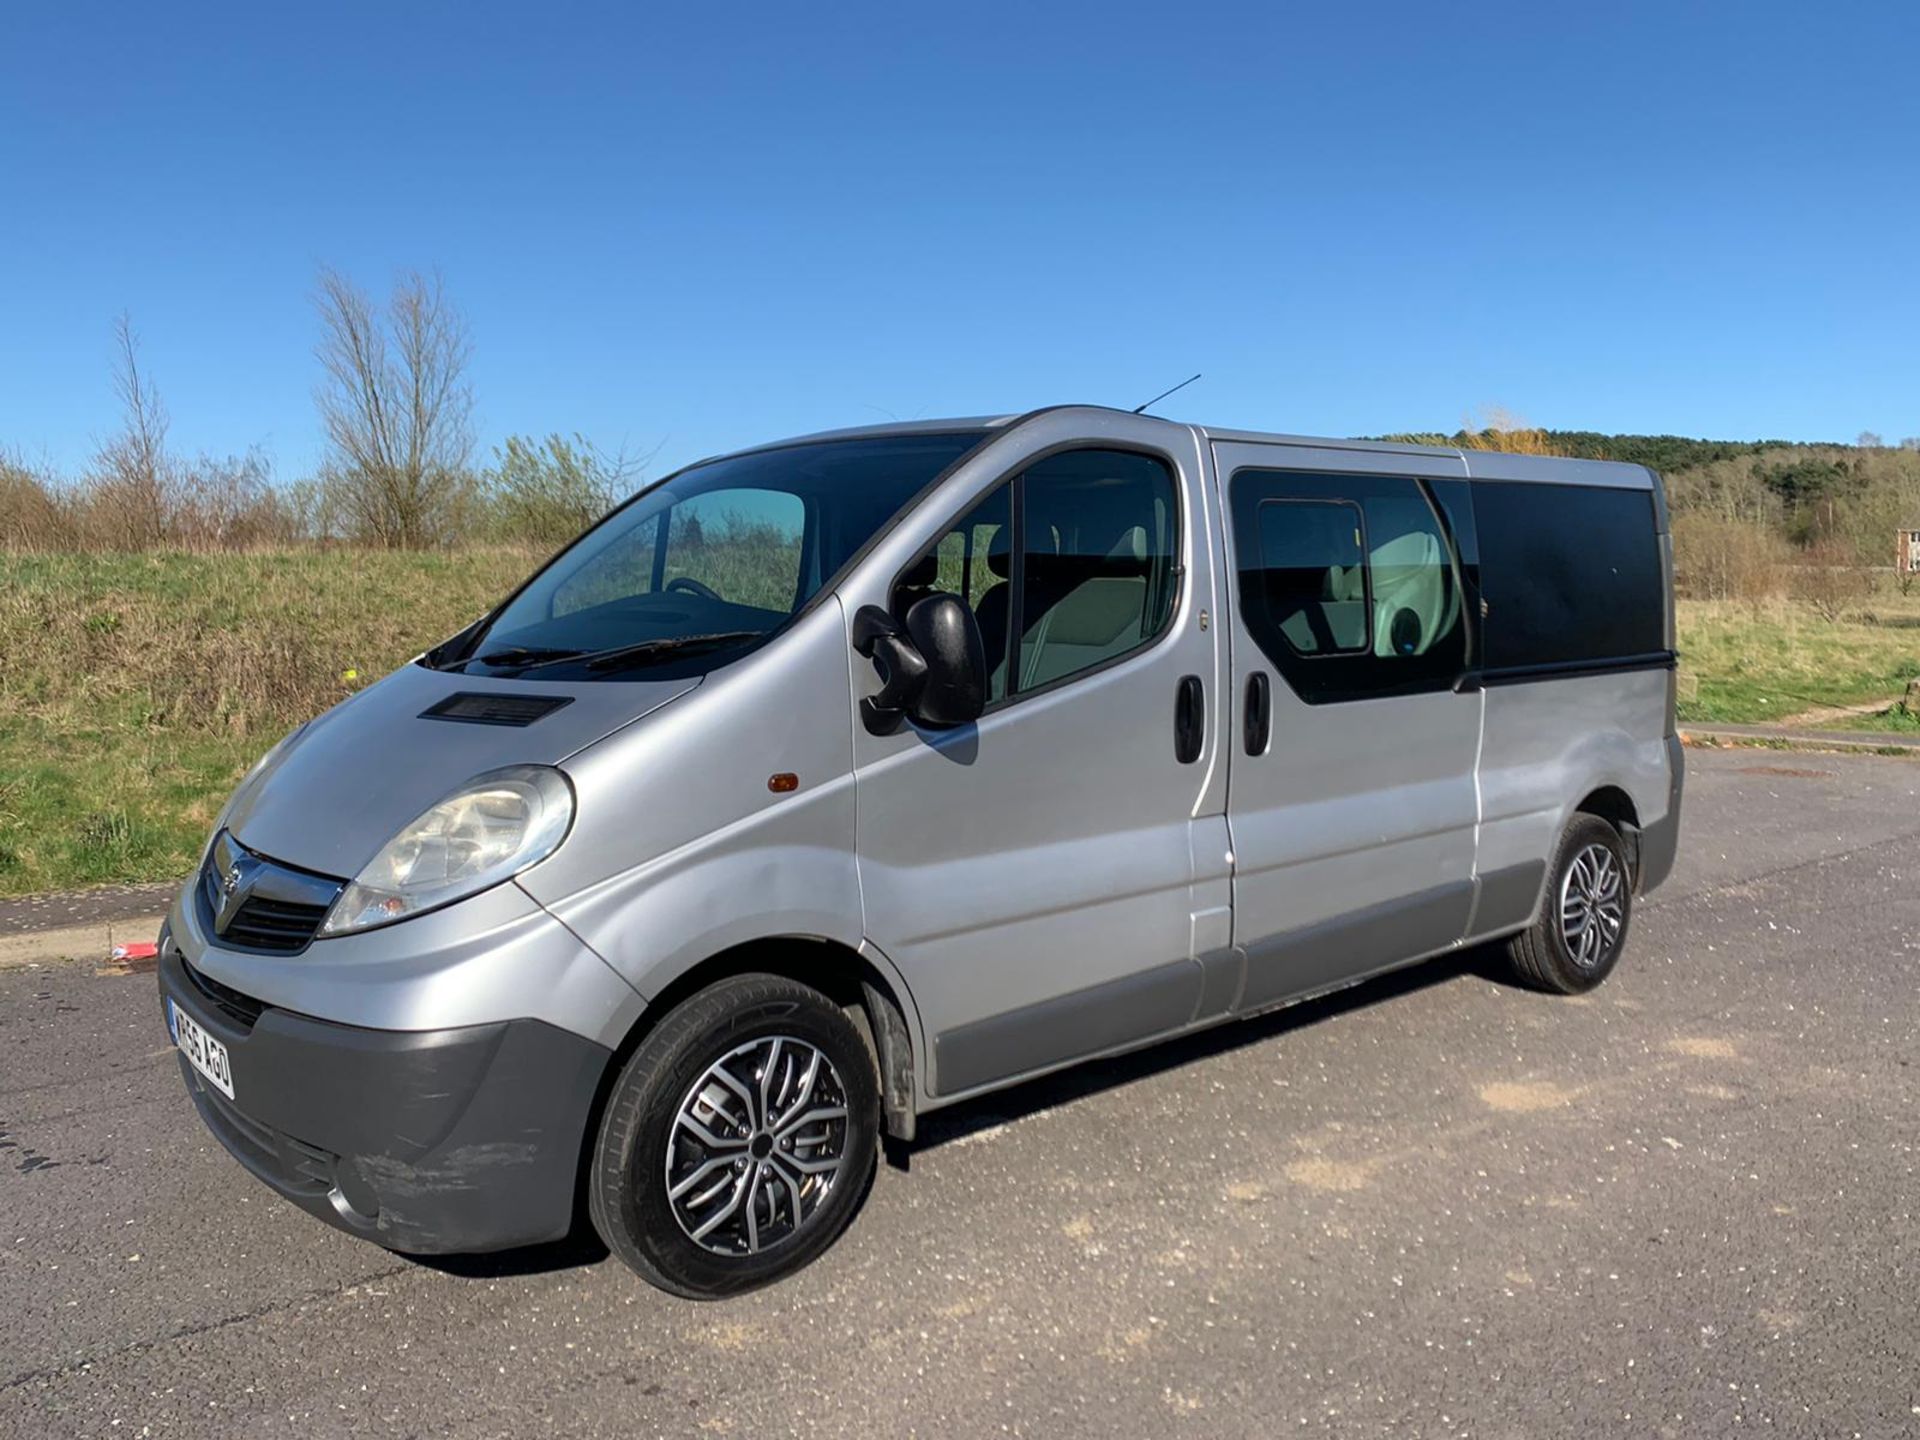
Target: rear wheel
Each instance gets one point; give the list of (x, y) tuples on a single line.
[(738, 1139), (1577, 938)]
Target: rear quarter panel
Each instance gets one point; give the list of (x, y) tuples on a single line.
[(1546, 746)]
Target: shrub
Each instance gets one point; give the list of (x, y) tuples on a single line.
[(545, 492), (1718, 558), (34, 515), (1830, 579)]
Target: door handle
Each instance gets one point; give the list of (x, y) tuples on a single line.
[(1257, 723), (1189, 719)]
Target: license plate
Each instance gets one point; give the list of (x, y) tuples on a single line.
[(203, 1052)]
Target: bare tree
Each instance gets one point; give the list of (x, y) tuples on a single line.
[(1500, 429), (131, 484), (396, 407)]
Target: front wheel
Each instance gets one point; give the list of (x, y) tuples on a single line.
[(1582, 927), (738, 1140)]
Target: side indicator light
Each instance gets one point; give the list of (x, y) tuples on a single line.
[(785, 783)]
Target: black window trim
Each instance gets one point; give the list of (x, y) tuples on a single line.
[(1014, 478)]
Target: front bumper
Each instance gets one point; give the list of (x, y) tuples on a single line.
[(428, 1141)]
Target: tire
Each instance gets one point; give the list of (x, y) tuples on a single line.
[(1544, 956), (725, 1105)]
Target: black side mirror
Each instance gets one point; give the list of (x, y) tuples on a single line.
[(933, 668)]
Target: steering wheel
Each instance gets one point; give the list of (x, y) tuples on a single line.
[(687, 582)]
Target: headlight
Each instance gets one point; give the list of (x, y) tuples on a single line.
[(488, 830)]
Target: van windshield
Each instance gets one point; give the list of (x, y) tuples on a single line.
[(709, 562)]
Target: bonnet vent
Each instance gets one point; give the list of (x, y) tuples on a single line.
[(478, 707)]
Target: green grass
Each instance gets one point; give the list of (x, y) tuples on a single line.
[(1761, 664), (136, 690)]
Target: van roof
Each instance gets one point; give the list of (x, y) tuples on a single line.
[(1479, 464)]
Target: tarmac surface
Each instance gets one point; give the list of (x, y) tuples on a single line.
[(1434, 1205)]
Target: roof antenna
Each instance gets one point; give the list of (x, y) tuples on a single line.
[(1138, 409)]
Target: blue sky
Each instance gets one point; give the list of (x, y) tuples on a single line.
[(700, 226)]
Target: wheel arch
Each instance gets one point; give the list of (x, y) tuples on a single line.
[(1614, 805), (861, 981)]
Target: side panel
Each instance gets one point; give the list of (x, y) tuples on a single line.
[(1353, 831), (1570, 588), (1034, 875)]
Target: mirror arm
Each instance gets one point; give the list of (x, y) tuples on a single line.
[(902, 669)]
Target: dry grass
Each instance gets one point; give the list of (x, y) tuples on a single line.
[(135, 689), (1766, 662)]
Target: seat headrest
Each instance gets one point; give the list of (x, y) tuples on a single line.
[(1132, 545), (922, 573)]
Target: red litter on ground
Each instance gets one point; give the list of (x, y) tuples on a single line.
[(145, 950)]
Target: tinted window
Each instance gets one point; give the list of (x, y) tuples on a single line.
[(1350, 584), (1068, 566), (1569, 574), (729, 549)]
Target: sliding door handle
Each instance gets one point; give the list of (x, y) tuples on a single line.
[(1257, 723), (1189, 719)]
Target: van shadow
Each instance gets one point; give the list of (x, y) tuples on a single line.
[(1077, 1082), (582, 1247)]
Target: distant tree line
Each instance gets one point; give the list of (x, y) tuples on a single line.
[(398, 470), (1756, 519), (1751, 519)]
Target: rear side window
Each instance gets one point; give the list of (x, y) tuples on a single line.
[(1349, 583), (1569, 574)]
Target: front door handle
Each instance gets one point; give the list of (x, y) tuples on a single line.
[(1257, 723), (1189, 719)]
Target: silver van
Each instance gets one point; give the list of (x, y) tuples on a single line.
[(831, 782)]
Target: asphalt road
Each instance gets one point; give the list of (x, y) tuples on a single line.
[(1684, 1205)]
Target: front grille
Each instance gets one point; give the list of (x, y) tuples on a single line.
[(273, 925), (252, 903)]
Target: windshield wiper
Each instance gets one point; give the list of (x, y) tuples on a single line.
[(527, 655), (619, 655), (646, 649)]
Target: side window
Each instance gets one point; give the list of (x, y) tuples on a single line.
[(1067, 566), (1312, 555), (1097, 561), (973, 560), (1350, 584), (1571, 574)]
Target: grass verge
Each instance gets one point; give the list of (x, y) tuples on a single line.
[(136, 689), (1762, 664)]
